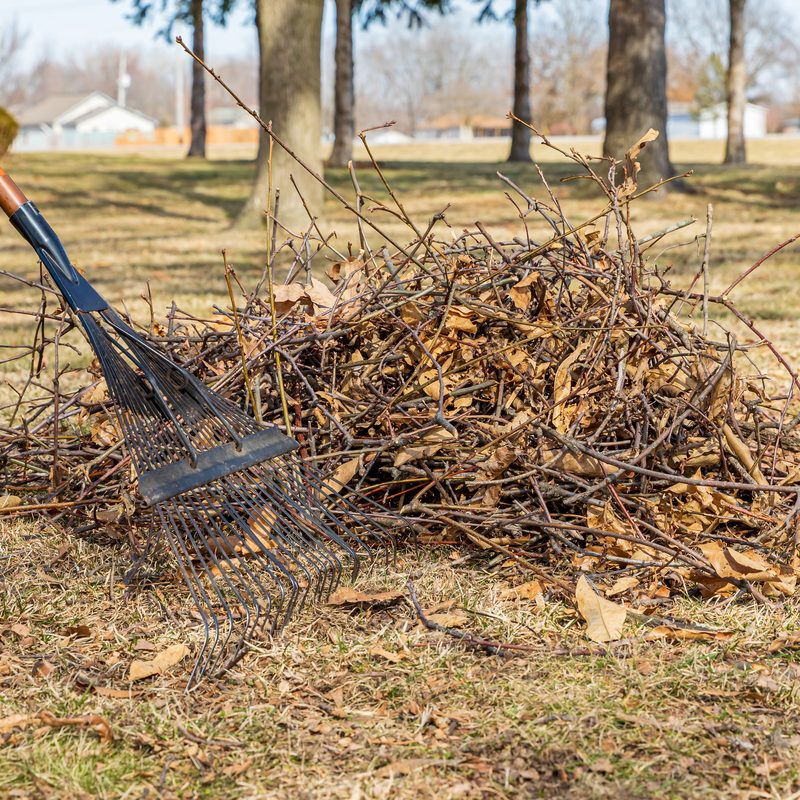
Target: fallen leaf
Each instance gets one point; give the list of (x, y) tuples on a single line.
[(450, 619), (341, 476), (119, 694), (604, 619), (100, 724), (525, 591), (10, 501), (697, 634), (623, 585), (346, 596), (785, 641), (8, 724), (379, 652), (161, 663), (43, 669), (238, 768), (78, 631)]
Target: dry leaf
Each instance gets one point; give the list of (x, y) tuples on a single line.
[(320, 296), (10, 501), (674, 633), (525, 591), (450, 619), (622, 585), (100, 724), (286, 296), (8, 724), (346, 596), (379, 652), (563, 414), (604, 619), (161, 663), (341, 476)]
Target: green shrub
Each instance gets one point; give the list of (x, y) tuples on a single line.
[(8, 130)]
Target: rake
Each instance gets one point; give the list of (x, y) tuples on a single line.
[(255, 529)]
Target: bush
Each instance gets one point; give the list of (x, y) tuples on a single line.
[(8, 130)]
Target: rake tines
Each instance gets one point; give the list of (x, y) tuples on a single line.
[(254, 541)]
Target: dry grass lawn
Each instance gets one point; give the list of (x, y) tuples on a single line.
[(367, 703)]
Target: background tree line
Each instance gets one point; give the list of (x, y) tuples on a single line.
[(553, 61)]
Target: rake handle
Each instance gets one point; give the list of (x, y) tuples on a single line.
[(36, 231), (12, 198)]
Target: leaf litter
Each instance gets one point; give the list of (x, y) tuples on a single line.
[(547, 397)]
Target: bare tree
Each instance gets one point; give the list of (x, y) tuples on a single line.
[(289, 34), (197, 116), (636, 84), (12, 41), (520, 133), (444, 71), (736, 85), (344, 123)]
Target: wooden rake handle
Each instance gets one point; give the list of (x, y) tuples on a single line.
[(12, 198)]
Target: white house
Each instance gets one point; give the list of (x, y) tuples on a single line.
[(713, 122), (77, 121)]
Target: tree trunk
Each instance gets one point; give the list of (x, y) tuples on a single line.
[(289, 33), (636, 85), (344, 124), (197, 148), (736, 86), (521, 135)]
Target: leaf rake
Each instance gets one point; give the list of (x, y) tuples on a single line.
[(255, 529)]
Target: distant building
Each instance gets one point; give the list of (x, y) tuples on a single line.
[(77, 121), (712, 123), (464, 128)]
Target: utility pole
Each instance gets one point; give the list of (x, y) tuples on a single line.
[(123, 80)]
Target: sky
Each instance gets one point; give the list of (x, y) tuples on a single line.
[(61, 25)]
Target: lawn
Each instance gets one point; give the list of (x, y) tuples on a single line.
[(365, 702)]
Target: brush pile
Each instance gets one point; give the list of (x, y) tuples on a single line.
[(546, 398)]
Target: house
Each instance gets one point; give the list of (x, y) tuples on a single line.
[(465, 127), (684, 122), (713, 122), (77, 121)]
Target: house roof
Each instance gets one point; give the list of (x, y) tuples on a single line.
[(47, 111), (470, 120)]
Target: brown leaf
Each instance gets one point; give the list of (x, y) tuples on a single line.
[(161, 663), (100, 724), (320, 295), (525, 591), (78, 631), (622, 585), (10, 501), (675, 633), (341, 477), (563, 413), (450, 619), (392, 658), (118, 694), (604, 619), (346, 596), (8, 724), (286, 296)]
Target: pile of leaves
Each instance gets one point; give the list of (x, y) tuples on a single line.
[(547, 399)]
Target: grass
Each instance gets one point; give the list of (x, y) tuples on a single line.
[(368, 704)]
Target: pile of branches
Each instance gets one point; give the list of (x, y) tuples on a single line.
[(547, 397)]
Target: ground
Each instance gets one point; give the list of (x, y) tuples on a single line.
[(365, 702)]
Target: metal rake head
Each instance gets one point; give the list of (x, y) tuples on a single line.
[(254, 527)]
